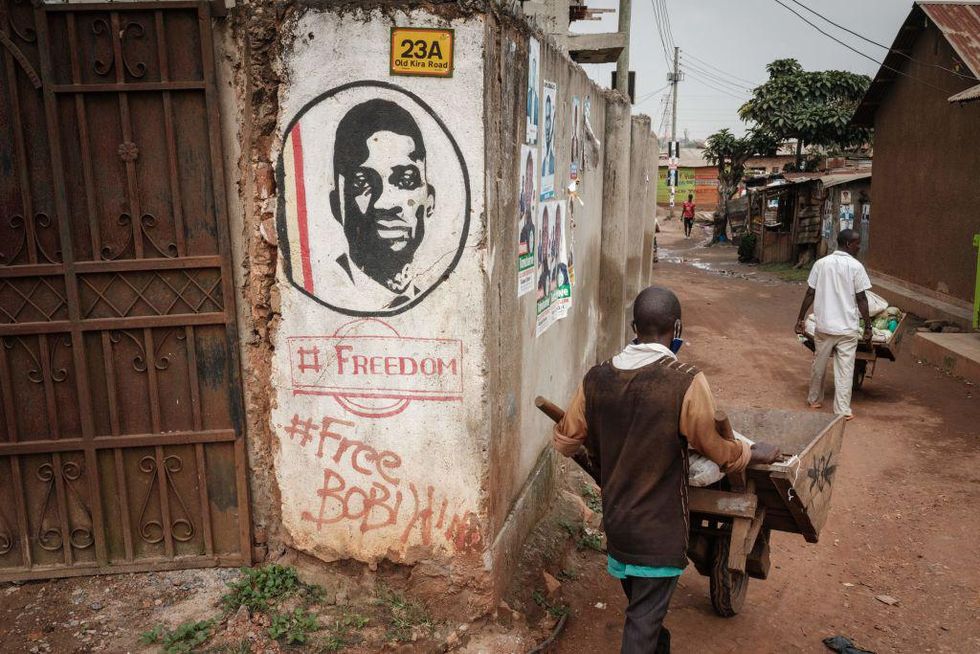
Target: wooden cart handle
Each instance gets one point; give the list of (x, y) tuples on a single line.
[(581, 457), (723, 426), (550, 409)]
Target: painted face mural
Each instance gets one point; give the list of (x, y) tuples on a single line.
[(360, 173)]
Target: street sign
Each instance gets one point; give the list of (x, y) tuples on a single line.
[(421, 51), (673, 149), (672, 178)]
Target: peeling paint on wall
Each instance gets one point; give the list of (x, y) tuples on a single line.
[(378, 377)]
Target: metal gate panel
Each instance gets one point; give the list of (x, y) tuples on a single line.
[(121, 443)]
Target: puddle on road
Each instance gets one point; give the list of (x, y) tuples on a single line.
[(728, 269)]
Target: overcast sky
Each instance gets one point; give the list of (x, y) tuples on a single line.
[(740, 38)]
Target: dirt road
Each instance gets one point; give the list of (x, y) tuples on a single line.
[(904, 521)]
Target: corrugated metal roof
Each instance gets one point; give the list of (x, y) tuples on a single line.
[(959, 23), (972, 94), (835, 178)]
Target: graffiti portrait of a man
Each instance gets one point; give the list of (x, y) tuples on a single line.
[(381, 197), (362, 169)]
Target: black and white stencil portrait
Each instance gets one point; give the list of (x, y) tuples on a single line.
[(374, 199)]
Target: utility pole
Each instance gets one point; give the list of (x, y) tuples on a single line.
[(673, 148), (623, 63), (673, 114)]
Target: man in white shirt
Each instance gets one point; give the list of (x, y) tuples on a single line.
[(837, 286)]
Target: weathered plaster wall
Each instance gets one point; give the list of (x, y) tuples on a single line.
[(379, 393), (522, 365), (449, 467)]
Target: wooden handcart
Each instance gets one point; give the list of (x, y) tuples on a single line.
[(868, 354), (731, 521)]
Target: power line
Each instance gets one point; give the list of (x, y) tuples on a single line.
[(727, 92), (855, 50), (688, 54), (716, 77), (652, 93), (666, 16), (882, 45), (663, 40)]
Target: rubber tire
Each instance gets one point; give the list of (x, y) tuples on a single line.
[(860, 369), (727, 588)]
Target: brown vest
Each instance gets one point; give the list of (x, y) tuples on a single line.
[(634, 435)]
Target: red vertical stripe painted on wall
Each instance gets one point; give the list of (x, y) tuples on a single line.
[(301, 220)]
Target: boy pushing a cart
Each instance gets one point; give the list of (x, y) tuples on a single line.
[(636, 415)]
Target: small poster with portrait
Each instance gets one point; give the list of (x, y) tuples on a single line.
[(533, 113), (560, 284), (548, 156), (544, 259), (526, 213)]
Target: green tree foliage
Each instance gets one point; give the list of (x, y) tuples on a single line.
[(729, 153), (811, 107)]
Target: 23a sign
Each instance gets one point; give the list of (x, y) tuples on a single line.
[(422, 51)]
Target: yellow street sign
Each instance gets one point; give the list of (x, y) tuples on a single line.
[(422, 51)]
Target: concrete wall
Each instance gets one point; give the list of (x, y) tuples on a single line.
[(379, 371), (925, 195), (399, 424), (521, 364)]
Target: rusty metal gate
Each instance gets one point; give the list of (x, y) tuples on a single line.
[(121, 443)]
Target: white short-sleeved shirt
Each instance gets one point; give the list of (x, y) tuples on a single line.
[(836, 279)]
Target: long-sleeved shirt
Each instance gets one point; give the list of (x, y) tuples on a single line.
[(697, 418)]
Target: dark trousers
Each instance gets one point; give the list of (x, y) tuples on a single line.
[(648, 599), (688, 225)]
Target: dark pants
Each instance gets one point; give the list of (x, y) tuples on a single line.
[(688, 225), (648, 599)]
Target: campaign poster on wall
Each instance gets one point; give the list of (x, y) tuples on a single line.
[(560, 284), (533, 94), (548, 149), (543, 259), (571, 240), (527, 207)]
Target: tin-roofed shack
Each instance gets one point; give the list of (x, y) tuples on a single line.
[(795, 217)]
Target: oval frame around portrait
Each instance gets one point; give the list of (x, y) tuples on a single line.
[(282, 226)]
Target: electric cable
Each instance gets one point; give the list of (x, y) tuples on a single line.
[(882, 45), (855, 50)]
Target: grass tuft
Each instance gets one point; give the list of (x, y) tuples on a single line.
[(405, 617)]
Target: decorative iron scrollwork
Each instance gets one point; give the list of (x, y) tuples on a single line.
[(25, 33), (139, 361), (17, 223), (137, 31), (111, 252), (181, 528), (149, 221), (43, 221), (80, 535), (102, 68), (7, 538), (162, 361), (36, 374), (50, 538)]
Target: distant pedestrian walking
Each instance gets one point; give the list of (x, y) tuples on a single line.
[(687, 213), (837, 286)]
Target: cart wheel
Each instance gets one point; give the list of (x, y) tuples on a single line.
[(860, 368), (727, 587)]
